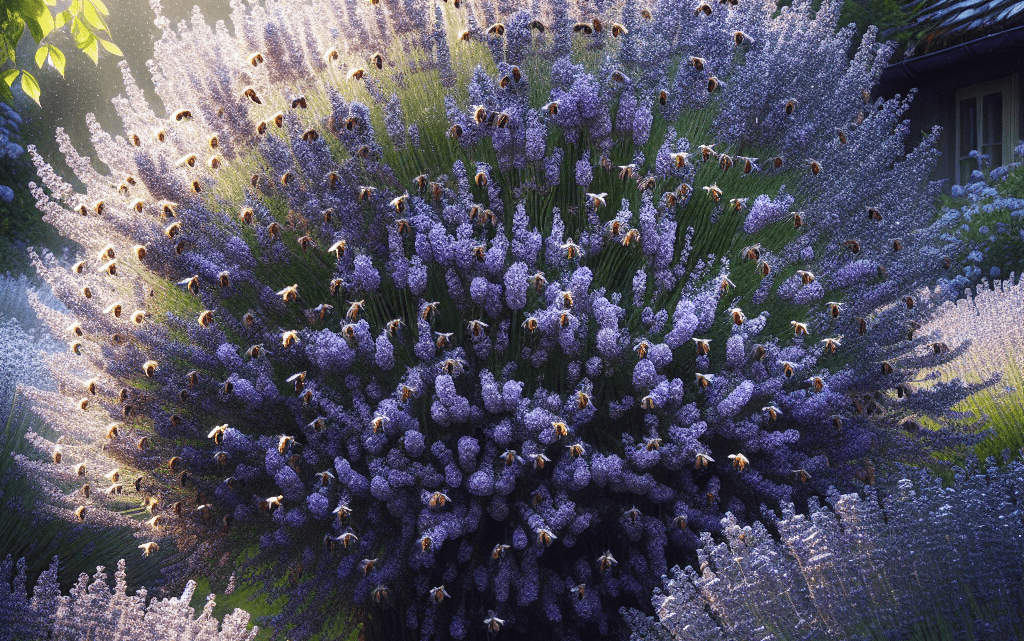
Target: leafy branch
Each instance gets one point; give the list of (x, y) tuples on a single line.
[(85, 19)]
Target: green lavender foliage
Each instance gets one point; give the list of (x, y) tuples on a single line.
[(924, 562)]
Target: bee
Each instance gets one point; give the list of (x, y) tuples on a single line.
[(251, 94), (530, 324), (815, 167), (777, 162), (773, 412), (205, 318), (571, 250), (338, 249), (853, 246), (909, 301), (896, 245), (725, 163), (476, 328), (763, 267), (343, 511), (78, 267), (305, 242), (713, 192), (248, 319), (939, 348), (256, 59), (584, 28), (271, 503), (752, 252), (289, 294), (80, 512), (806, 277), (114, 309), (597, 200), (842, 136), (399, 203), (134, 140), (802, 475), (443, 339), (737, 205), (619, 77), (646, 14), (438, 499), (545, 537), (298, 103), (172, 230), (160, 135), (641, 349), (290, 338), (439, 593), (703, 346), (606, 561), (109, 267), (560, 429), (662, 97), (790, 107), (874, 214), (539, 460), (704, 380), (618, 30), (182, 114), (83, 404), (817, 383), (681, 159), (496, 29), (837, 422), (862, 326), (287, 178), (428, 311), (713, 84), (737, 314), (480, 179)]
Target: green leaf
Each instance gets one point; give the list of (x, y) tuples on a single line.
[(41, 54), (5, 94), (57, 59), (30, 86), (61, 19), (8, 77), (76, 7), (80, 32), (93, 17), (51, 3), (102, 8), (91, 48), (36, 15), (111, 47)]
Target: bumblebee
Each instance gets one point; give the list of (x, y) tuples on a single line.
[(251, 94), (182, 114), (606, 561), (584, 28), (874, 214), (298, 103), (739, 461), (497, 29), (713, 84)]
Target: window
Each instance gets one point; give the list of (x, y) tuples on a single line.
[(986, 119)]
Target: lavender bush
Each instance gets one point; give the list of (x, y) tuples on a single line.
[(925, 562), (94, 610), (477, 315), (986, 327)]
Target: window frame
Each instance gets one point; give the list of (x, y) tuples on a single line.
[(1009, 86)]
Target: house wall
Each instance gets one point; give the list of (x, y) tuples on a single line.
[(935, 102)]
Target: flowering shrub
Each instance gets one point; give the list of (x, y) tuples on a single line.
[(10, 122), (991, 224), (94, 611), (926, 561), (480, 314)]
